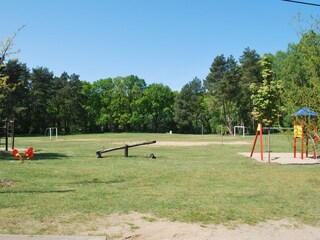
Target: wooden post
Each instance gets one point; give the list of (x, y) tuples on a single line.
[(7, 135), (126, 151), (12, 134)]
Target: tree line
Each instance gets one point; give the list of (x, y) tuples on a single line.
[(37, 99)]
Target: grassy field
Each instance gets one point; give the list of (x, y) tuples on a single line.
[(66, 185)]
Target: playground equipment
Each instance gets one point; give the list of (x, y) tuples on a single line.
[(307, 129), (28, 154), (7, 133), (125, 147), (258, 133)]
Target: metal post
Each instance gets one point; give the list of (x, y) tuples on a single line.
[(261, 145)]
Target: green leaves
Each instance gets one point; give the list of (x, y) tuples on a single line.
[(189, 107), (266, 99)]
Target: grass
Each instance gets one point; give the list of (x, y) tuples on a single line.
[(66, 185)]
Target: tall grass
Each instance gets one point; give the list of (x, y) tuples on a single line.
[(208, 184)]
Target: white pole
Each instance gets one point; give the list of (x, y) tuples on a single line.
[(50, 132)]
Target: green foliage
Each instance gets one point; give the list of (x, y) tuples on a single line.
[(3, 88), (155, 108), (250, 70), (223, 84), (266, 98), (6, 87), (188, 107), (126, 91)]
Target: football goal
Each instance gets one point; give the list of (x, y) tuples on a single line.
[(241, 129), (52, 131)]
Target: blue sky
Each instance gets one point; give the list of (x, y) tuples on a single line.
[(161, 41)]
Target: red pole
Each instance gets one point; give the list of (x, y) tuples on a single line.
[(258, 132), (294, 147), (314, 138), (294, 138), (302, 143), (254, 143), (307, 137), (261, 146)]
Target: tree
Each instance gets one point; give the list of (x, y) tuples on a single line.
[(4, 89), (266, 98), (16, 103), (66, 103), (188, 107), (155, 108), (5, 51), (7, 46), (126, 91), (222, 84), (250, 71), (41, 80), (98, 106), (75, 104)]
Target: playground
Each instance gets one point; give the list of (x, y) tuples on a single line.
[(196, 187), (304, 131)]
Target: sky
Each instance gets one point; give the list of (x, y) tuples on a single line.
[(161, 41)]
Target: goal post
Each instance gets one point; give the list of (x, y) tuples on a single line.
[(51, 131), (239, 127)]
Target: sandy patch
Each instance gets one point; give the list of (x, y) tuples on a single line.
[(189, 144), (146, 227), (186, 144), (283, 158)]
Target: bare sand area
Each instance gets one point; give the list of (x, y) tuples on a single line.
[(190, 144), (146, 227), (283, 158), (137, 226), (187, 144)]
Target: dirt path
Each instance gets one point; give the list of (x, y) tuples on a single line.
[(187, 144), (136, 226)]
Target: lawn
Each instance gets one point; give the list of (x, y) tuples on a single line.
[(65, 185)]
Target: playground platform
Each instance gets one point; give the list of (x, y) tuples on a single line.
[(284, 158)]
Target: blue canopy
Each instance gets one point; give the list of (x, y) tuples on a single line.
[(306, 112)]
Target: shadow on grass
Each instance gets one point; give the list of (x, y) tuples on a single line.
[(37, 191), (37, 156), (49, 156), (97, 181)]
